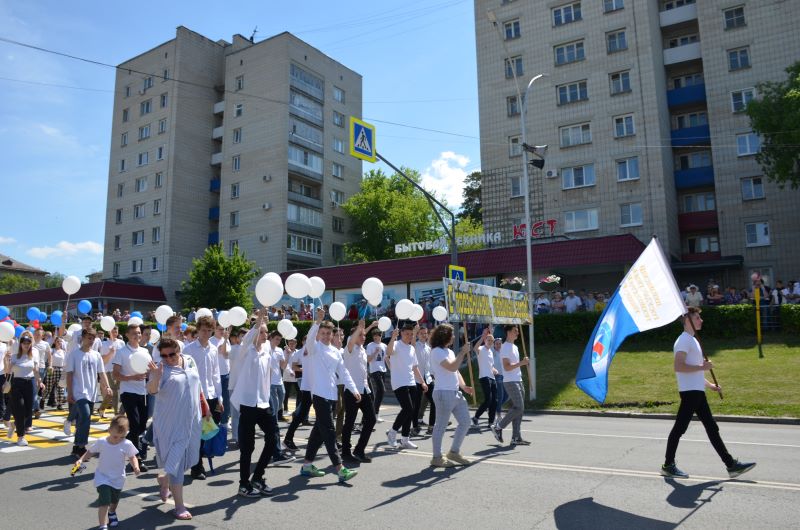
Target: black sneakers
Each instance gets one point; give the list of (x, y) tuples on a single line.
[(261, 487), (361, 457), (739, 468), (498, 433), (290, 444), (672, 471), (282, 458), (249, 491)]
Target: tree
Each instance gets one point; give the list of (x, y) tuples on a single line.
[(54, 279), (467, 227), (14, 283), (471, 207), (220, 281), (774, 117), (386, 211)]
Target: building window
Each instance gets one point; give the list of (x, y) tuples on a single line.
[(143, 159), (156, 234), (140, 184), (145, 107), (115, 269), (337, 224), (612, 5), (674, 4), (138, 238), (338, 119), (120, 189), (338, 145), (513, 67), (239, 82), (337, 252), (683, 40), (304, 216), (127, 91), (136, 266), (303, 244), (575, 135), (628, 169), (154, 263), (699, 202), (757, 234), (160, 152), (516, 187), (630, 214), (237, 135), (512, 106), (564, 14), (569, 53), (701, 244), (337, 170), (693, 160), (233, 246), (688, 80), (312, 84), (122, 165), (117, 242), (159, 180), (305, 190), (577, 177), (623, 126), (236, 163), (238, 109), (740, 99), (148, 83), (163, 100), (165, 75), (747, 144), (306, 131), (144, 132), (752, 188), (338, 94), (572, 92), (691, 119), (157, 207), (305, 106), (125, 114), (162, 126), (620, 82), (305, 158), (616, 41), (739, 58), (734, 17), (514, 146), (235, 190), (337, 197), (118, 216), (580, 220), (511, 29), (123, 140), (139, 211), (234, 219)]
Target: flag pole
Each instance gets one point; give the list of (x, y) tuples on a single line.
[(531, 395), (469, 365)]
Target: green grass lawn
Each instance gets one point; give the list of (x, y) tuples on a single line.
[(641, 378)]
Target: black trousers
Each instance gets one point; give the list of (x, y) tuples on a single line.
[(695, 402), (489, 387), (378, 388), (289, 385), (136, 412), (351, 408), (300, 414), (22, 402), (404, 396), (249, 417), (416, 398), (217, 416), (324, 431)]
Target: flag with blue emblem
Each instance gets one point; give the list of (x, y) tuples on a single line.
[(647, 298)]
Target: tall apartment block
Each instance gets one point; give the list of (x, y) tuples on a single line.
[(642, 110), (237, 143)]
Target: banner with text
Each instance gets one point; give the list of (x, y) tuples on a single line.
[(473, 302)]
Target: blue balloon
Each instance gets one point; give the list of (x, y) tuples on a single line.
[(184, 326), (4, 312), (33, 313), (84, 306), (56, 318), (137, 314), (42, 317), (18, 331), (161, 327)]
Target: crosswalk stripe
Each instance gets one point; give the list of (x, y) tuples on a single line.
[(48, 433)]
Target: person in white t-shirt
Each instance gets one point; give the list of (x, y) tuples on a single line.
[(690, 366), (405, 375), (486, 376), (512, 381), (132, 388), (376, 353), (289, 378), (220, 340), (84, 368), (108, 351), (54, 372), (355, 360)]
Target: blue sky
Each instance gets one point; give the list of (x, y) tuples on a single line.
[(417, 59)]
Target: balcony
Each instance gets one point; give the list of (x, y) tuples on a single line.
[(300, 228), (216, 159), (698, 221), (678, 15), (305, 171), (219, 107), (689, 95), (701, 256), (214, 185), (216, 133), (695, 177), (688, 136), (213, 238), (680, 54), (308, 88), (213, 213), (302, 199)]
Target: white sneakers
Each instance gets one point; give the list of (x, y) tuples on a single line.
[(391, 435), (379, 419), (67, 428), (22, 442), (405, 443)]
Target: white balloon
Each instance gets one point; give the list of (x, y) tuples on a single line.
[(317, 287), (284, 326), (403, 309), (139, 362), (237, 316), (71, 285), (384, 323), (6, 332), (269, 289), (224, 319), (73, 328), (163, 312), (337, 311), (155, 336), (202, 312), (372, 289), (440, 313), (108, 323), (292, 333), (134, 321), (375, 302), (298, 285), (417, 313)]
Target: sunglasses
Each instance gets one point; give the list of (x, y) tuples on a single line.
[(23, 341), (169, 355)]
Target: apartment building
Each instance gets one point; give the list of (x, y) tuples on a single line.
[(241, 143), (642, 110)]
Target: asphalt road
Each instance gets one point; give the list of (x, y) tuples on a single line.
[(580, 472)]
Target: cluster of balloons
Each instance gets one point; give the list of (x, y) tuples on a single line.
[(270, 287)]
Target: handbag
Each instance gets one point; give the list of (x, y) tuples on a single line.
[(7, 384)]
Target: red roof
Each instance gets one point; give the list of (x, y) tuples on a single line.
[(128, 291), (619, 249)]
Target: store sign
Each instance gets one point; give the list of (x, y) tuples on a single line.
[(473, 302), (443, 242), (540, 229)]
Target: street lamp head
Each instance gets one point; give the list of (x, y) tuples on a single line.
[(540, 150)]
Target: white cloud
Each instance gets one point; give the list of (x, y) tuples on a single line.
[(65, 248), (446, 176), (7, 240)]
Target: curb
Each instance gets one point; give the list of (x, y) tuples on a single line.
[(671, 417)]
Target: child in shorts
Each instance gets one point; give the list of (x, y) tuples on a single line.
[(109, 475)]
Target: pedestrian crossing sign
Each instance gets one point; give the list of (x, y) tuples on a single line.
[(362, 140), (454, 272)]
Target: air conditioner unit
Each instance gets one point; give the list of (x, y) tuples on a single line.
[(334, 204), (142, 91), (263, 238), (267, 178), (551, 174), (266, 206)]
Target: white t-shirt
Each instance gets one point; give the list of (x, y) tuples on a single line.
[(59, 358), (123, 359), (23, 366), (3, 350), (84, 367), (572, 303), (224, 364), (445, 379), (378, 365), (694, 356), (485, 362), (300, 358), (118, 344), (403, 361), (276, 374), (288, 373), (356, 364), (111, 460), (41, 348), (509, 351)]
